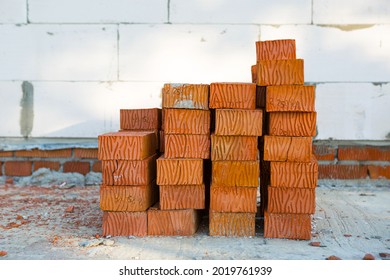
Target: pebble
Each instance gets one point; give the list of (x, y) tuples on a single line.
[(385, 256), (69, 209), (368, 257), (3, 253), (315, 244), (333, 258)]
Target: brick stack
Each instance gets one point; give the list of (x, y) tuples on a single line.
[(180, 170), (129, 172), (235, 160), (289, 170)]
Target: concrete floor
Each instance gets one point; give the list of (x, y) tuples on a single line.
[(352, 218)]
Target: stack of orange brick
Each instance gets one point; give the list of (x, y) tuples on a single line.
[(289, 170), (235, 159), (180, 170), (129, 172)]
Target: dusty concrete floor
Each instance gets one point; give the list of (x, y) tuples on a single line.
[(352, 219)]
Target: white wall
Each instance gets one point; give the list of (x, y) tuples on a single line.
[(86, 59)]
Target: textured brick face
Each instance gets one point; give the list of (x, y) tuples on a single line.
[(187, 146), (182, 197), (233, 199), (323, 152), (235, 173), (125, 223), (182, 121), (53, 165), (189, 96), (233, 148), (275, 49), (233, 95), (291, 200), (77, 166), (239, 122), (364, 153), (290, 226), (231, 224), (280, 72), (341, 171), (140, 119), (290, 98), (18, 168), (379, 172), (296, 149), (292, 123), (85, 153), (44, 153), (179, 171)]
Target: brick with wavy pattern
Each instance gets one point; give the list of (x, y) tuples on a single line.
[(231, 224), (280, 72), (182, 197), (232, 95), (233, 199), (125, 223), (189, 96), (275, 49), (290, 226), (292, 123)]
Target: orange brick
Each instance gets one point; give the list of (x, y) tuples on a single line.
[(179, 171), (6, 154), (364, 153), (97, 166), (182, 222), (85, 153), (182, 197), (341, 171), (290, 98), (64, 153), (77, 166), (275, 49), (140, 119), (234, 148), (324, 152), (239, 122), (18, 168), (280, 72), (53, 165), (290, 226), (235, 173), (233, 199), (261, 93), (127, 145), (279, 148), (292, 123), (231, 224), (232, 95), (294, 174), (254, 73), (184, 121), (125, 223), (129, 172), (187, 146), (291, 200), (128, 198), (190, 96), (379, 172)]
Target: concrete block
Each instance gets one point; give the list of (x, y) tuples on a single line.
[(13, 11), (245, 11), (186, 53), (351, 12), (58, 52), (98, 11), (10, 96)]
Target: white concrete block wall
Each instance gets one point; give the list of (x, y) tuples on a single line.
[(86, 59)]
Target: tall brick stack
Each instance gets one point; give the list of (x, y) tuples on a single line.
[(289, 170), (180, 170), (129, 172), (235, 159)]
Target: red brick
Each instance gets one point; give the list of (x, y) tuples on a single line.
[(233, 199), (282, 148), (18, 168), (292, 123), (6, 154), (232, 95), (379, 172), (97, 166), (234, 148), (275, 49), (254, 73), (127, 145), (64, 153), (129, 172), (53, 165), (140, 119), (280, 72), (339, 171), (236, 173), (290, 226), (182, 197), (85, 153), (187, 146), (231, 224), (184, 121), (238, 122), (290, 98), (324, 152), (182, 222), (128, 198), (364, 153), (179, 171), (190, 96), (294, 174), (77, 166), (291, 200), (125, 223)]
